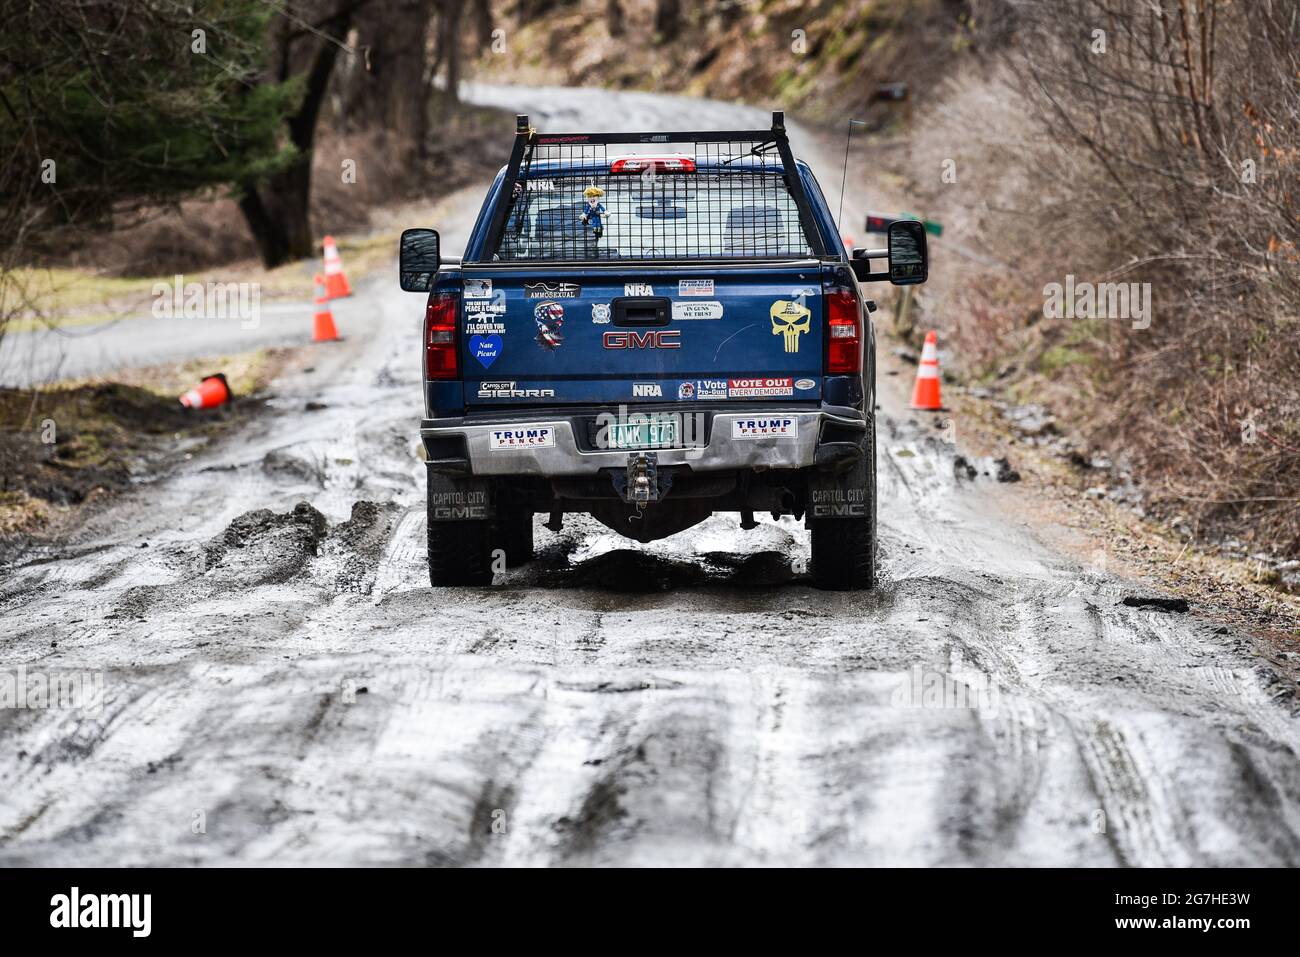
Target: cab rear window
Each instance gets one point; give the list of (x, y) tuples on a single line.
[(725, 201)]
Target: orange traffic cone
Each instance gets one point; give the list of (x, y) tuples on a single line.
[(336, 284), (324, 320), (926, 393), (212, 391)]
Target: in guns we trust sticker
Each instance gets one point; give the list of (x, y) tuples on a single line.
[(709, 309)]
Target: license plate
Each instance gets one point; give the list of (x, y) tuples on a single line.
[(643, 435)]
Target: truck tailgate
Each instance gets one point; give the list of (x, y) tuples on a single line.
[(749, 332)]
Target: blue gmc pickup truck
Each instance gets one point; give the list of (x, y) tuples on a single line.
[(650, 328)]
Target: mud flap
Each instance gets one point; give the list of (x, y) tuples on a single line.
[(457, 499), (842, 493)]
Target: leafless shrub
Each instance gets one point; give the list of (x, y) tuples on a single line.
[(1155, 143)]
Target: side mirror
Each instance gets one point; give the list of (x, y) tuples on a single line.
[(909, 255), (419, 259)]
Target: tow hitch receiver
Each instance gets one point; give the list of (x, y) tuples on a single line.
[(639, 484)]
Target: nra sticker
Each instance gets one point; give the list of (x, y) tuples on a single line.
[(765, 427), (533, 437), (647, 390), (767, 388), (697, 310), (805, 384), (552, 290), (478, 288), (638, 289), (686, 390), (695, 287), (600, 313)]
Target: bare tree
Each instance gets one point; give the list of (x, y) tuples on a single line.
[(1173, 151), (304, 43), (668, 19), (385, 81), (449, 52)]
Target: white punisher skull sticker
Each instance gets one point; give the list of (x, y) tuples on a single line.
[(789, 319)]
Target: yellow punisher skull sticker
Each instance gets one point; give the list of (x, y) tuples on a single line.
[(789, 319)]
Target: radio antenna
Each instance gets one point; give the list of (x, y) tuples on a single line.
[(845, 178)]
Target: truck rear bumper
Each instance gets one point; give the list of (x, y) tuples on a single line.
[(467, 447)]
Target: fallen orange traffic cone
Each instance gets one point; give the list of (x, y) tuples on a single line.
[(336, 284), (324, 319), (212, 391), (926, 393)]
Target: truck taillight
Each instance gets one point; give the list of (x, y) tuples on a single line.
[(843, 332), (441, 358)]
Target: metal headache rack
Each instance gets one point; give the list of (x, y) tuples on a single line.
[(652, 197)]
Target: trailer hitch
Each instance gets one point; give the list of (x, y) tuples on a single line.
[(640, 483)]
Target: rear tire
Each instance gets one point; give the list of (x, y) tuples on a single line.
[(460, 553), (844, 549), (514, 536)]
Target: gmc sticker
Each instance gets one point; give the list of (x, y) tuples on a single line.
[(650, 339)]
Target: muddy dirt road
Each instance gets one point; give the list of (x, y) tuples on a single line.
[(281, 684)]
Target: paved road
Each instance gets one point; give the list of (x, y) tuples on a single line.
[(283, 686), (46, 355)]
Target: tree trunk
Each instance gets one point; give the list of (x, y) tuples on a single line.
[(668, 19), (483, 22), (614, 17), (386, 89), (449, 44), (278, 214), (278, 208)]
